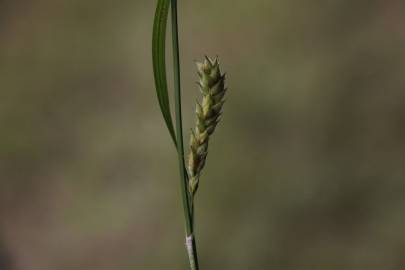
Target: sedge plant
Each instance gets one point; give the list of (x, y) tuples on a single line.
[(208, 112)]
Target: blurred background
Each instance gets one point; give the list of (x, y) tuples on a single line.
[(306, 171)]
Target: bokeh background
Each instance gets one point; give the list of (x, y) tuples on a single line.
[(306, 171)]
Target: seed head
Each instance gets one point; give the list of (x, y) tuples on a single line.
[(212, 87)]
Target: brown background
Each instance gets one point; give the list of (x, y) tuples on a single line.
[(306, 170)]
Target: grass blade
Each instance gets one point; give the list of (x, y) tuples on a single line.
[(159, 62)]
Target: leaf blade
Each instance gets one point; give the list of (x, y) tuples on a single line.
[(159, 63)]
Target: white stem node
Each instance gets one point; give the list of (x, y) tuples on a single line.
[(190, 250)]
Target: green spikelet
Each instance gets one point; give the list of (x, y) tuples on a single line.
[(212, 87)]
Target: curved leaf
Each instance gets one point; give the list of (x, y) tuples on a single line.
[(159, 62)]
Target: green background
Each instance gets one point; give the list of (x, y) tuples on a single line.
[(305, 171)]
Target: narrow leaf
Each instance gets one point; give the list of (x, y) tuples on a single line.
[(159, 62)]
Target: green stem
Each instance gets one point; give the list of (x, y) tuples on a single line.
[(188, 215)]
